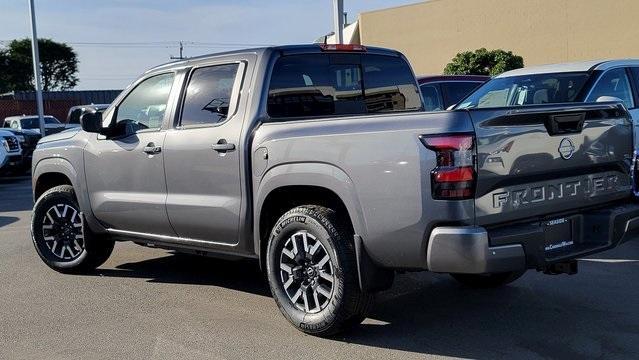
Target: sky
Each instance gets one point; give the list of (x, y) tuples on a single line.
[(116, 40)]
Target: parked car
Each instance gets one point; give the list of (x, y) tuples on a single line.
[(28, 140), (442, 91), (319, 161), (31, 122), (585, 81), (10, 153), (75, 112)]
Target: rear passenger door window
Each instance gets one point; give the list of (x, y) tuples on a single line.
[(432, 98), (613, 83), (207, 100)]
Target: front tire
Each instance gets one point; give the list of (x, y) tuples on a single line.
[(484, 281), (312, 272), (60, 236)]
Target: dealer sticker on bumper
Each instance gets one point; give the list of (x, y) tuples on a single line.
[(558, 234)]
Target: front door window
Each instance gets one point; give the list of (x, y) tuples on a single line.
[(144, 107)]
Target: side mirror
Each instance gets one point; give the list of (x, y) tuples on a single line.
[(608, 99), (223, 110), (91, 122)]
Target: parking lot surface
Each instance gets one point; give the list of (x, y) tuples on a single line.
[(153, 304)]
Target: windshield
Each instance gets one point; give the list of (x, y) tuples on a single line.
[(527, 90), (33, 123)]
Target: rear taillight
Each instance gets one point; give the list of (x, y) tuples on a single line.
[(454, 177)]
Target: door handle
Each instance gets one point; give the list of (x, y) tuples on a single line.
[(222, 146), (151, 149)]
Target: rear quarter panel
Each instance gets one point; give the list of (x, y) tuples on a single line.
[(378, 167)]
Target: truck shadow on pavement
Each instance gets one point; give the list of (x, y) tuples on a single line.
[(518, 321), (7, 220), (242, 275), (536, 317)]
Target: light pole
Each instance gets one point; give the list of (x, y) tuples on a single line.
[(36, 67), (338, 20)]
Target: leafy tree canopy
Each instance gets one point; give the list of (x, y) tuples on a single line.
[(483, 62), (58, 61)]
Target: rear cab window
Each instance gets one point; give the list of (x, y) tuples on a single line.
[(324, 85), (535, 89)]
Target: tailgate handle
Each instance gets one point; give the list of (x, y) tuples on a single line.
[(565, 123)]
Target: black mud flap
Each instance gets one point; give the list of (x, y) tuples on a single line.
[(372, 278)]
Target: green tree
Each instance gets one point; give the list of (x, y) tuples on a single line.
[(58, 61), (4, 71), (483, 62)]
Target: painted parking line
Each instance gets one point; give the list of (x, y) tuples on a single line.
[(611, 261)]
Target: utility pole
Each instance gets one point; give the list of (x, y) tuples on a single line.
[(338, 20), (36, 68), (181, 49)]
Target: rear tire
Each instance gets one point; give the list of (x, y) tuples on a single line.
[(60, 236), (312, 272), (488, 280)]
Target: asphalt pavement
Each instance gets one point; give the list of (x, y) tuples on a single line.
[(152, 304)]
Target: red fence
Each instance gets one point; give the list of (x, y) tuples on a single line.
[(57, 108)]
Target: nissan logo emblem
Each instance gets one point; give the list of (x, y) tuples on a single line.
[(566, 148)]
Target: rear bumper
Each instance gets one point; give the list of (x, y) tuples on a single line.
[(477, 250), (467, 250)]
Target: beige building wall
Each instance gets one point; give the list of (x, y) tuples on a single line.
[(431, 33)]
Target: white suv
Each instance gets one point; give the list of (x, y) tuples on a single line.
[(10, 152)]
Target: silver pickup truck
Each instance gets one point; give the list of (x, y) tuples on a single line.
[(319, 162)]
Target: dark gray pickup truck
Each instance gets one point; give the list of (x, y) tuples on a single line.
[(319, 162)]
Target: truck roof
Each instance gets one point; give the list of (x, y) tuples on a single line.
[(580, 66), (20, 117), (305, 48), (439, 78)]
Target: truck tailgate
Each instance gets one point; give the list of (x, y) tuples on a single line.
[(542, 160)]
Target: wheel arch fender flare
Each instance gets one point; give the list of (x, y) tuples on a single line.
[(53, 165), (322, 175), (76, 176)]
